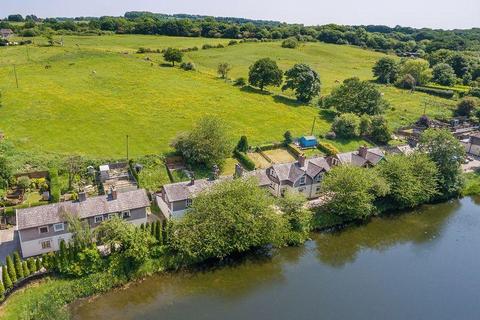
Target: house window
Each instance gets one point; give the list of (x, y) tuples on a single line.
[(43, 229), (47, 244), (272, 172), (188, 203), (317, 189), (57, 227), (302, 181), (98, 219), (318, 178), (301, 189), (272, 185), (126, 214)]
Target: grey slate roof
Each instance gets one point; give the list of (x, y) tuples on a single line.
[(186, 190), (51, 213), (374, 156), (292, 171)]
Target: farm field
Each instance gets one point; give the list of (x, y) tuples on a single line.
[(85, 97)]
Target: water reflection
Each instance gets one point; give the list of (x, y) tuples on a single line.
[(419, 226)]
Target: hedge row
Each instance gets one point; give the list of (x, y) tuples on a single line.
[(294, 149), (271, 146), (244, 159), (436, 92), (263, 154), (327, 148), (54, 185)]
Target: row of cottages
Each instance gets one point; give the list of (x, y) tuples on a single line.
[(304, 176), (42, 228)]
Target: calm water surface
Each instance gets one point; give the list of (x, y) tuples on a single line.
[(420, 265)]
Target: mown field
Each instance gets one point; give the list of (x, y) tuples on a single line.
[(96, 90)]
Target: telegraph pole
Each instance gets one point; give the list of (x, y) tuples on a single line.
[(313, 125), (15, 71), (127, 149)]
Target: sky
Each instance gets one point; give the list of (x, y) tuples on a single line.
[(445, 14)]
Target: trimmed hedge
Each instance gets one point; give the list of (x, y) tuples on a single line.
[(436, 92), (327, 148), (244, 159), (271, 146), (54, 185), (294, 149)]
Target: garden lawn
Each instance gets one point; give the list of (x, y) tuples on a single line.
[(280, 155), (85, 97)]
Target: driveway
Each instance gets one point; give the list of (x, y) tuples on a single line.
[(8, 243)]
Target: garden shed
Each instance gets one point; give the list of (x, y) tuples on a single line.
[(308, 142)]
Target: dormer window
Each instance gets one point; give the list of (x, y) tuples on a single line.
[(272, 173), (43, 230), (318, 178), (302, 181)]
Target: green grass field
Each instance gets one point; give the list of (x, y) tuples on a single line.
[(97, 90)]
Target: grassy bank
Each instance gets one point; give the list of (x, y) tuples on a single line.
[(472, 184)]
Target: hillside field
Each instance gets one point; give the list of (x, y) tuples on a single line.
[(86, 96)]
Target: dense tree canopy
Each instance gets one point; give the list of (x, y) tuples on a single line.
[(304, 81), (207, 144), (356, 96), (386, 70), (346, 125), (298, 218), (173, 55), (412, 180), (448, 154), (443, 74), (467, 106), (265, 72), (231, 217), (419, 69), (379, 130), (352, 191)]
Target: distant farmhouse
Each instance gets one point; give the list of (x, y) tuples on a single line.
[(6, 33), (304, 176), (41, 229)]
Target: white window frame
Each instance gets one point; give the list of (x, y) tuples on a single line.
[(44, 246), (61, 225), (126, 214), (188, 203), (40, 229), (96, 218), (303, 180)]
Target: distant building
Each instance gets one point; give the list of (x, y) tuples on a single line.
[(6, 33), (42, 228), (364, 157)]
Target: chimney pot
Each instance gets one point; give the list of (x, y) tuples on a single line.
[(82, 196), (362, 151), (113, 193), (301, 160)]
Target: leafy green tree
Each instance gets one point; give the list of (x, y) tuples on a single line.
[(448, 154), (290, 43), (173, 55), (158, 231), (365, 125), (152, 229), (18, 265), (419, 69), (82, 235), (412, 179), (11, 269), (2, 291), (407, 81), (38, 263), (346, 125), (460, 63), (5, 172), (265, 72), (129, 245), (231, 217), (444, 74), (299, 219), (379, 130), (355, 96), (31, 265), (223, 70), (304, 81), (6, 279), (207, 144), (466, 106), (242, 144), (352, 192), (288, 137), (386, 70)]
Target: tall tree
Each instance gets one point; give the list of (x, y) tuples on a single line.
[(355, 96), (443, 74), (7, 281), (298, 218), (448, 154), (173, 55), (379, 130), (207, 144), (265, 72), (11, 269), (386, 70), (304, 81), (419, 69)]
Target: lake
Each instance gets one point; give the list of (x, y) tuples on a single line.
[(424, 264)]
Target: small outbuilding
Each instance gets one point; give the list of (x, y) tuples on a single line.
[(308, 142)]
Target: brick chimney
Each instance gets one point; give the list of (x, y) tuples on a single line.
[(301, 160), (82, 196), (113, 193), (192, 179), (362, 151)]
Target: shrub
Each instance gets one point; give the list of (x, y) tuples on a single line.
[(18, 265), (7, 281), (290, 43), (347, 125), (244, 159), (240, 82), (232, 42), (38, 264), (144, 50), (23, 182), (331, 135), (474, 92), (188, 66), (2, 291), (54, 185), (466, 106), (207, 46), (406, 82), (436, 92), (32, 266), (288, 137), (242, 145), (26, 271), (327, 148)]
